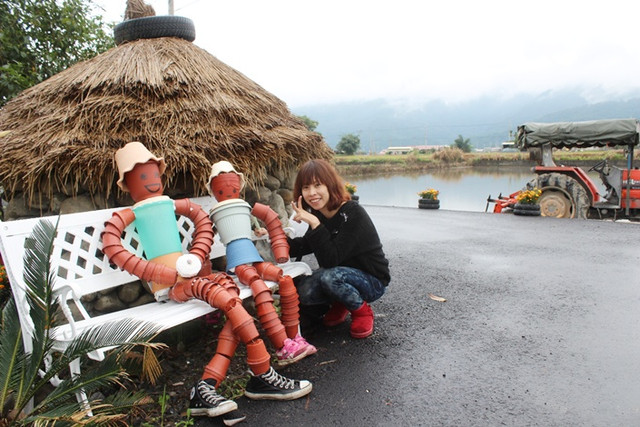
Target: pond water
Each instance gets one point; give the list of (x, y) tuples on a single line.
[(461, 189)]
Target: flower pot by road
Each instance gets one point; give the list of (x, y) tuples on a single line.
[(526, 209), (428, 204)]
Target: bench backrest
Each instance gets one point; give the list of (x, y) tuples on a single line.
[(77, 259)]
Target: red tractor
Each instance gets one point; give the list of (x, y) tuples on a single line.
[(568, 191)]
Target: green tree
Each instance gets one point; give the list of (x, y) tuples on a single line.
[(309, 123), (349, 144), (462, 143), (24, 376), (40, 38)]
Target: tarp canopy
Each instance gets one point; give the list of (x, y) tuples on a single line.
[(595, 133)]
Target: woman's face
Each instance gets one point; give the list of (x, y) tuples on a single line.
[(316, 195)]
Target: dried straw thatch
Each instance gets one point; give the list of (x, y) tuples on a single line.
[(138, 9), (177, 99)]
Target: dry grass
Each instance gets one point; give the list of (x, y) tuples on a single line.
[(180, 101)]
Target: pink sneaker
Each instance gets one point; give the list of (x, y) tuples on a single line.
[(311, 349), (290, 352)]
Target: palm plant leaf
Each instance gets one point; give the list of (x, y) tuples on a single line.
[(38, 279), (151, 368), (23, 375), (11, 352), (125, 334)]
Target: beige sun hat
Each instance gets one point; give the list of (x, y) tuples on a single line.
[(220, 167), (132, 154)]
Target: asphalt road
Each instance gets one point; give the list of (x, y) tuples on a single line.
[(541, 327)]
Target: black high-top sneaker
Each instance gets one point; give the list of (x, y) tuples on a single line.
[(205, 400), (273, 386)]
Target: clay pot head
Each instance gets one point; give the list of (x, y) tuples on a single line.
[(144, 181), (225, 182), (226, 186), (132, 154)]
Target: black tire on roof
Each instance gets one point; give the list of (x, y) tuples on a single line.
[(151, 27)]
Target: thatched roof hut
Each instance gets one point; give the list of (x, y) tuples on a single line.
[(176, 98)]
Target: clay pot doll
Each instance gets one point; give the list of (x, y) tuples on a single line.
[(180, 277), (232, 219)]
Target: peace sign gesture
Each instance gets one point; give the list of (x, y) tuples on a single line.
[(303, 216)]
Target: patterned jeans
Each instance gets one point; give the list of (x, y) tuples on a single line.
[(347, 285)]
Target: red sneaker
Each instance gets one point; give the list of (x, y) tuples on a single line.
[(336, 315), (362, 321)]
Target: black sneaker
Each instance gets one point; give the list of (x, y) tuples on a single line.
[(205, 400), (273, 386)]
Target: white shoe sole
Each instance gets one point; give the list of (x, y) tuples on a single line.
[(308, 352), (221, 409), (289, 396)]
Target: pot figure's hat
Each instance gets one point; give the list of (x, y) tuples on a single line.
[(132, 154), (220, 167)]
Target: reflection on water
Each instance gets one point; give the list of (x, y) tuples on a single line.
[(461, 189)]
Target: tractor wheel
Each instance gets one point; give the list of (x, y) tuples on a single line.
[(562, 196), (556, 203)]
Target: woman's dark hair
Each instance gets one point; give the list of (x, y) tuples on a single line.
[(319, 170)]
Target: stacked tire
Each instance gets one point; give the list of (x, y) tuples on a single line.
[(525, 209), (428, 204)]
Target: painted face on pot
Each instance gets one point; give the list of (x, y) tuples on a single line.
[(316, 195), (144, 181), (226, 186)]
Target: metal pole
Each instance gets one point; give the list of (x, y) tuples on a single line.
[(629, 167), (170, 7)]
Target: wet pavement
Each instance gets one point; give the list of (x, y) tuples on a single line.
[(541, 326)]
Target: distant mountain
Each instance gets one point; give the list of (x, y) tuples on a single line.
[(485, 121)]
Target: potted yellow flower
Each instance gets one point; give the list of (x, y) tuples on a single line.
[(527, 202), (351, 189), (429, 199)]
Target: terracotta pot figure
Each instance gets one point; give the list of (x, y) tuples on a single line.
[(180, 277), (232, 219)]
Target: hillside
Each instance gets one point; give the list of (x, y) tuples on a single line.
[(485, 121)]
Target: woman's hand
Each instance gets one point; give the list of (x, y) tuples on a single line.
[(303, 216), (260, 232)]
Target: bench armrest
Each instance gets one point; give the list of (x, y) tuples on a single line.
[(69, 292)]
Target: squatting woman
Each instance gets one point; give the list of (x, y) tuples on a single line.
[(353, 268)]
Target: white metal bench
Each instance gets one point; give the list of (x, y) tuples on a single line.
[(82, 269)]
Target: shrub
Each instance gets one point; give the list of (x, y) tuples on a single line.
[(449, 155)]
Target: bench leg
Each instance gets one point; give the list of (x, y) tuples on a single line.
[(81, 396)]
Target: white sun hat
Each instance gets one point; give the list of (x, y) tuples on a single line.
[(223, 167), (132, 154)]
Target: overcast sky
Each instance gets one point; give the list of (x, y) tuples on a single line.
[(319, 51)]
